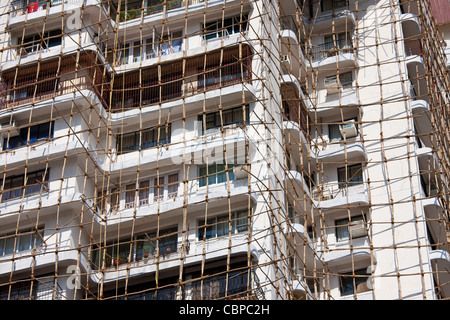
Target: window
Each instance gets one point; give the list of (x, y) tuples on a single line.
[(357, 225), (350, 175), (138, 247), (149, 48), (124, 53), (327, 5), (144, 192), (216, 173), (173, 185), (334, 130), (40, 289), (341, 40), (37, 132), (214, 120), (345, 80), (33, 182), (220, 226), (351, 284), (171, 43), (24, 240), (149, 191), (219, 28), (158, 189), (115, 199), (140, 140), (40, 42), (130, 195)]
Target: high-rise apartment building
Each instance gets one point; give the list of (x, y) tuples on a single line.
[(224, 149)]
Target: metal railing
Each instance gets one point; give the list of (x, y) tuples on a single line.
[(330, 49), (172, 86), (154, 7), (413, 47)]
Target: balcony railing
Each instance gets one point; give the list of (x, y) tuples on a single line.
[(218, 287), (153, 86), (330, 49), (153, 6), (130, 90), (32, 290), (31, 85), (29, 91), (413, 47), (124, 254)]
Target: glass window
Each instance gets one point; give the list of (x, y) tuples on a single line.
[(173, 185), (225, 27), (327, 5), (242, 221), (334, 133), (151, 49), (219, 226), (343, 227), (144, 192), (231, 116), (350, 175), (143, 140), (124, 53), (137, 51), (158, 188), (217, 173), (350, 284), (24, 240), (10, 244), (37, 133), (222, 226), (130, 195)]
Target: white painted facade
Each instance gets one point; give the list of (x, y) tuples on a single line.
[(395, 248)]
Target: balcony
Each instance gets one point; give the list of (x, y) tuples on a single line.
[(430, 172), (30, 86), (165, 83), (410, 25), (339, 53), (335, 152), (333, 196), (435, 220), (233, 285), (294, 109), (440, 262), (346, 100), (304, 246), (413, 47), (422, 120), (133, 90), (35, 11), (289, 30), (337, 13)]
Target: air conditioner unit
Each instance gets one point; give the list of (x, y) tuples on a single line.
[(348, 130), (331, 85), (285, 59), (7, 127), (241, 171), (358, 229)]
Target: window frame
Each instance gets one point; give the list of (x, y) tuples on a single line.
[(22, 137), (35, 239), (29, 189), (358, 180), (210, 229)]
